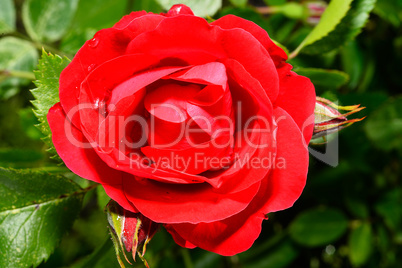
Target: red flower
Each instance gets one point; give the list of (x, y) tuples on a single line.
[(199, 126)]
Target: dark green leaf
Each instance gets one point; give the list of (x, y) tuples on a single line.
[(360, 244), (36, 209), (239, 3), (200, 8), (47, 92), (19, 157), (384, 126), (28, 121), (48, 20), (352, 62), (389, 207), (318, 227), (346, 30), (103, 257), (15, 55), (327, 79), (208, 259), (357, 207), (389, 10), (149, 6), (280, 256), (7, 16)]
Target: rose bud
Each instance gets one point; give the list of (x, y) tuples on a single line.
[(130, 231), (315, 9), (329, 120)]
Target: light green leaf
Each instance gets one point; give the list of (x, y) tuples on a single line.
[(47, 92), (332, 16), (15, 55), (384, 126), (200, 8), (324, 78), (318, 227), (103, 198), (36, 209), (7, 16), (346, 30), (360, 244), (48, 20)]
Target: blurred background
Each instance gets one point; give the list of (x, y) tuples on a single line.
[(349, 215)]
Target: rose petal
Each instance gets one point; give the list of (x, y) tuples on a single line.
[(116, 192), (76, 151), (232, 21), (172, 203), (279, 191), (287, 181), (107, 44), (175, 37), (297, 98)]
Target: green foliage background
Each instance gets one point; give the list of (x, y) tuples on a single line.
[(349, 215)]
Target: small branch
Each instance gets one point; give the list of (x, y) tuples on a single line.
[(18, 74), (268, 10), (40, 45), (90, 187)]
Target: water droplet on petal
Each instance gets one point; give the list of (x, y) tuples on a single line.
[(91, 67), (93, 42)]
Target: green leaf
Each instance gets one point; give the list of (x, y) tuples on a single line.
[(36, 210), (318, 227), (239, 3), (389, 207), (346, 30), (360, 244), (357, 207), (15, 55), (19, 157), (384, 126), (280, 256), (7, 16), (200, 8), (327, 79), (47, 92), (352, 61), (389, 10), (336, 10), (48, 20), (90, 17), (103, 257)]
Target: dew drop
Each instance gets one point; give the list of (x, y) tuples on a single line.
[(96, 104), (93, 42), (91, 67)]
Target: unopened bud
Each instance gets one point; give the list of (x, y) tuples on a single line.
[(315, 9), (130, 231), (328, 119)]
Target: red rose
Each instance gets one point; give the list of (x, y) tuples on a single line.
[(196, 125)]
